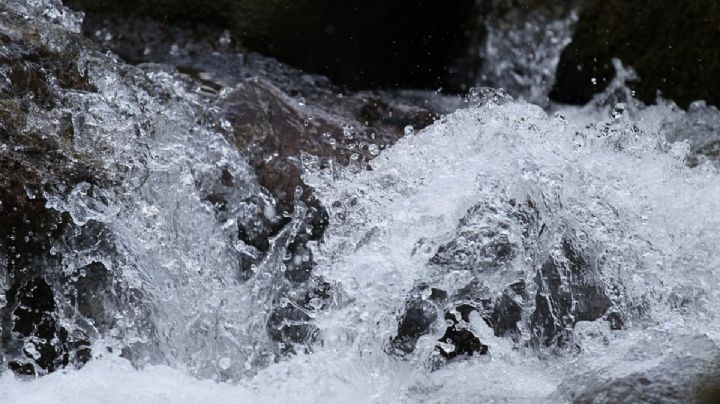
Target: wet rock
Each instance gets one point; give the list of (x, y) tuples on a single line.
[(568, 291), (340, 40), (459, 339), (508, 309), (420, 317), (678, 369), (526, 282), (416, 321), (615, 320), (32, 339), (41, 331), (31, 308), (290, 324), (274, 129), (671, 45)]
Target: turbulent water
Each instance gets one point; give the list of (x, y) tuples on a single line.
[(480, 199)]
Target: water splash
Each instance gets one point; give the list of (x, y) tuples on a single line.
[(443, 208)]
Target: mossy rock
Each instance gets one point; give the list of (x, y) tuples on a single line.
[(360, 44), (674, 46)]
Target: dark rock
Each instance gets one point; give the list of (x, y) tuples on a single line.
[(671, 45), (499, 254), (458, 339), (507, 310), (681, 369), (359, 44), (275, 129), (32, 340), (31, 308), (615, 321), (481, 244), (421, 314), (416, 321), (569, 291), (49, 313), (290, 324)]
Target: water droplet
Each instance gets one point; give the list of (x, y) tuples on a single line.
[(225, 38), (224, 363)]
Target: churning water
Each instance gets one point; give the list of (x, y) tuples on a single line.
[(481, 199)]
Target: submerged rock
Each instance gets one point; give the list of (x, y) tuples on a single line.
[(494, 243), (569, 289), (66, 277), (290, 324), (656, 369), (671, 45)]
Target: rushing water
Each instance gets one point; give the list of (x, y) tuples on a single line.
[(630, 185)]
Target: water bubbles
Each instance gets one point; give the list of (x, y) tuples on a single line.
[(348, 131), (174, 50), (486, 96), (373, 149), (618, 111), (409, 130), (31, 350), (224, 363), (298, 193), (269, 212), (225, 39)]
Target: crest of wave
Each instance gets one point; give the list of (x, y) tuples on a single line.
[(625, 192)]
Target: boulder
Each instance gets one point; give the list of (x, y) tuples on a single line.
[(358, 44), (33, 341), (659, 368), (526, 282)]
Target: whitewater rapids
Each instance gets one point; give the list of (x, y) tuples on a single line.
[(615, 176), (631, 183)]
